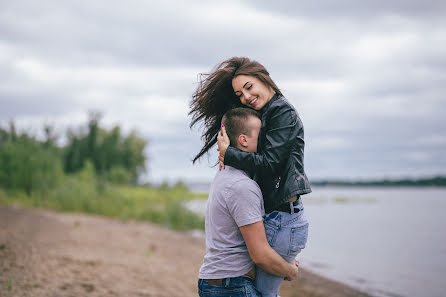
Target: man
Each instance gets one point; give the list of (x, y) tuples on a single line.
[(235, 235)]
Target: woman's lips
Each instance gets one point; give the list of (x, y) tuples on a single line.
[(253, 102)]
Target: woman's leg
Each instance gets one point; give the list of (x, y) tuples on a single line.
[(287, 234)]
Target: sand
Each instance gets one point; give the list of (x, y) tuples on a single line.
[(45, 253)]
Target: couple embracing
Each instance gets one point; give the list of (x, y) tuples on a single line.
[(255, 223)]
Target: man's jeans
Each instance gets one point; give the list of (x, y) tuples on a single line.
[(287, 234), (242, 286)]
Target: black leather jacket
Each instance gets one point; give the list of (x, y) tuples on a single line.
[(278, 165)]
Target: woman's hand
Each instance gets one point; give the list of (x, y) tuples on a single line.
[(222, 143)]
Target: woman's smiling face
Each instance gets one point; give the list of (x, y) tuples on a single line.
[(251, 91)]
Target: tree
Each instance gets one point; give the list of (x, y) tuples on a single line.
[(107, 149)]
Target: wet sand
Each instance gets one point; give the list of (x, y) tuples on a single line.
[(45, 253)]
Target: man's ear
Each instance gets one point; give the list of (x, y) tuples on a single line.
[(242, 140)]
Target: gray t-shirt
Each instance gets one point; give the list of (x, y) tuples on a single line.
[(234, 201)]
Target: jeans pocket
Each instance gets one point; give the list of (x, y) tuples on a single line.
[(271, 233), (298, 239), (252, 291)]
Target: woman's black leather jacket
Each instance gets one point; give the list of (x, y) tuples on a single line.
[(278, 165)]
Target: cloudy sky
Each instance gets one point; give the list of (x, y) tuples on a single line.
[(368, 78)]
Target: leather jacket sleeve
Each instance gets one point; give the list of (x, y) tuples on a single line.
[(282, 130)]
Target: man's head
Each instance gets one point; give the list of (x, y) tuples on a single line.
[(242, 126)]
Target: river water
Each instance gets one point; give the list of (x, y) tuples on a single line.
[(387, 242)]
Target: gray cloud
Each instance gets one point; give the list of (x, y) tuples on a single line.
[(367, 78), (351, 8)]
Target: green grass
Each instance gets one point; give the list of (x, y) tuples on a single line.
[(341, 200), (319, 200), (354, 200), (161, 205), (9, 284)]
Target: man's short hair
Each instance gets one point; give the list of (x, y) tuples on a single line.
[(235, 122)]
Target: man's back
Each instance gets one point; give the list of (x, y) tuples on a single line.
[(235, 200)]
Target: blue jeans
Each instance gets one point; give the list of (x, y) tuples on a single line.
[(242, 286), (287, 234)]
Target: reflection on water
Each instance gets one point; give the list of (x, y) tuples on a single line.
[(340, 199), (384, 241), (198, 206)]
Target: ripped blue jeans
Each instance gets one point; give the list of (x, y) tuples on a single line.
[(287, 234)]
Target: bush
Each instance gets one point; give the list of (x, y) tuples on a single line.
[(119, 175), (26, 165), (99, 167)]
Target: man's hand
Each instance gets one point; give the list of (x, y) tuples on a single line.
[(294, 271), (222, 143)]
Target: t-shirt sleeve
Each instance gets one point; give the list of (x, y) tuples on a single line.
[(246, 203)]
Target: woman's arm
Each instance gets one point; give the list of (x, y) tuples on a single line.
[(283, 129)]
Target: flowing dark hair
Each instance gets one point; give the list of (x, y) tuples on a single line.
[(214, 96)]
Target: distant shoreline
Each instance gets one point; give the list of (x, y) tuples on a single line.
[(434, 182), (439, 181)]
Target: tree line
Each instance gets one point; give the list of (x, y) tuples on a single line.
[(31, 164)]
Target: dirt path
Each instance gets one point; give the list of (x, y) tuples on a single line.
[(43, 253)]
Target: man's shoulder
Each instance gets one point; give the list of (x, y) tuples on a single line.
[(233, 180), (235, 193)]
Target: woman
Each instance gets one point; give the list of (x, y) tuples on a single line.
[(278, 164)]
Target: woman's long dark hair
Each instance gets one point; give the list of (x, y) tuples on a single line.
[(215, 95)]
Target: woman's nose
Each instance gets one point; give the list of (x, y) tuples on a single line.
[(247, 96)]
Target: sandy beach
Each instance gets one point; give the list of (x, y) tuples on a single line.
[(44, 253)]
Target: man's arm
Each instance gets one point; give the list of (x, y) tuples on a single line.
[(263, 255)]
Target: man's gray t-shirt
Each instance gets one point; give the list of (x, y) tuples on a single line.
[(234, 201)]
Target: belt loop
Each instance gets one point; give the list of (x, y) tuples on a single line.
[(292, 207), (227, 281)]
